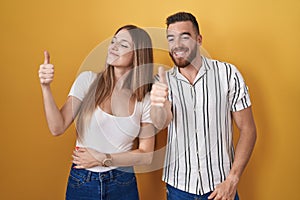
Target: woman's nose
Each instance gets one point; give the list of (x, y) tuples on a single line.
[(115, 46)]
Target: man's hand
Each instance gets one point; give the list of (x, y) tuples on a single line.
[(159, 90), (225, 190)]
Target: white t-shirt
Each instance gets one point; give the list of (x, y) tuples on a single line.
[(107, 133)]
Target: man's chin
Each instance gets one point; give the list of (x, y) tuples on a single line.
[(182, 63)]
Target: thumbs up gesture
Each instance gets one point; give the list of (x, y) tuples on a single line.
[(159, 90), (46, 71)]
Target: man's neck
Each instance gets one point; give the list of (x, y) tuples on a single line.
[(190, 72)]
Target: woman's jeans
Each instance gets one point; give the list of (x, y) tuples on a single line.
[(117, 184), (176, 194)]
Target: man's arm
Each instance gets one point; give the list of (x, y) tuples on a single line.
[(245, 123), (161, 114)]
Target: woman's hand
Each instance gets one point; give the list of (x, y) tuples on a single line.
[(87, 158), (46, 71)]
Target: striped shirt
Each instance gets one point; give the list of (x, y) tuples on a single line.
[(200, 151)]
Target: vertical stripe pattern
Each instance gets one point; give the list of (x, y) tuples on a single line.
[(199, 152)]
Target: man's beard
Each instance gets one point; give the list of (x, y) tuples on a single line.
[(181, 62)]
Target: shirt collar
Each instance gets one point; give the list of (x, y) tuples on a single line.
[(206, 65)]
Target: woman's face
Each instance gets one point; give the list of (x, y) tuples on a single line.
[(120, 50)]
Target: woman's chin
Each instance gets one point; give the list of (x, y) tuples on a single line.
[(110, 62)]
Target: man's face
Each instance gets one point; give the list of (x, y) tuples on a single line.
[(183, 43)]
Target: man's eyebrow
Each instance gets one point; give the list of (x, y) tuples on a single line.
[(183, 33), (186, 33)]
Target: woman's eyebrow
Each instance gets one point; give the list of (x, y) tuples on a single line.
[(121, 40)]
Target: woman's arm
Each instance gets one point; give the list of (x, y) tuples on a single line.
[(86, 158), (58, 119)]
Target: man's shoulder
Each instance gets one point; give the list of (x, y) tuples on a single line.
[(216, 64), (213, 61)]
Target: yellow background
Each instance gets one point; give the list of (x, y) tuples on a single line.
[(261, 37)]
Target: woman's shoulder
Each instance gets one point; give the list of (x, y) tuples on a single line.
[(146, 100), (86, 76)]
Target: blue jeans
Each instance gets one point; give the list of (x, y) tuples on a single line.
[(117, 184), (176, 194)]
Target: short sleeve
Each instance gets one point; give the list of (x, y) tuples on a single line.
[(146, 109), (82, 84), (239, 97)]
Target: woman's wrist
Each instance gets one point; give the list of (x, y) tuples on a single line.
[(100, 158), (45, 87)]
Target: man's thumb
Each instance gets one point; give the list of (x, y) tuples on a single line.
[(162, 75)]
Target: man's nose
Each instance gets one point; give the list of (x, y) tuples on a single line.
[(177, 42)]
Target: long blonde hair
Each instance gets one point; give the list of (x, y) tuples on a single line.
[(138, 80)]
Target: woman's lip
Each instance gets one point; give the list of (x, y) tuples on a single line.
[(114, 54)]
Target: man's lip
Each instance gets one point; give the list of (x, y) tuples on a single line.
[(179, 53)]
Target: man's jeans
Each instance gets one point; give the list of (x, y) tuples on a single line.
[(176, 194)]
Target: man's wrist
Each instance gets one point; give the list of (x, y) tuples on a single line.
[(233, 178)]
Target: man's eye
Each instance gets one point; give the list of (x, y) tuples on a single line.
[(185, 37), (170, 39)]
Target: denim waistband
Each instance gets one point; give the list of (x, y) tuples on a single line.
[(90, 175)]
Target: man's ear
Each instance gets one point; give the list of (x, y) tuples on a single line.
[(199, 39)]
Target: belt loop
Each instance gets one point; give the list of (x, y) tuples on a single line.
[(111, 174), (100, 175), (88, 177)]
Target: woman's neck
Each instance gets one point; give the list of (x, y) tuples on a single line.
[(121, 72)]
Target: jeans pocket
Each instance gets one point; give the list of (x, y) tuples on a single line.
[(125, 178), (77, 177)]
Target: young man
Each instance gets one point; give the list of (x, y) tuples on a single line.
[(198, 99)]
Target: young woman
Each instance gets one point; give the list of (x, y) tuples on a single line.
[(111, 108)]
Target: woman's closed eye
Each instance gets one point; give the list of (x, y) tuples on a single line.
[(123, 44)]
